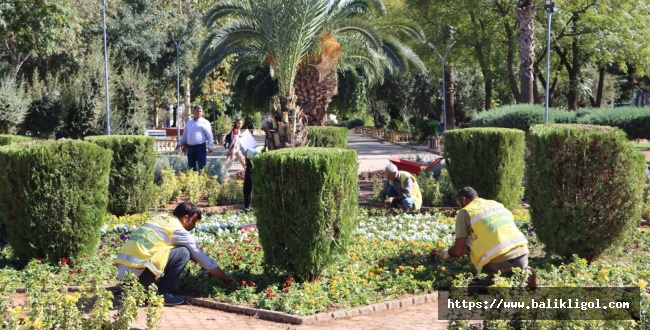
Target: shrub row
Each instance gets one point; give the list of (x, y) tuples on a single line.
[(328, 137), (585, 182), (491, 160), (305, 204), (634, 121), (586, 187), (132, 170), (55, 194)]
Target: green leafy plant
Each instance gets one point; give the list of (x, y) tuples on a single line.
[(223, 124), (132, 170), (491, 160), (328, 137), (54, 189), (586, 177), (305, 227)]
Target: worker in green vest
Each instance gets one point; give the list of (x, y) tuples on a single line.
[(495, 243), (160, 250), (400, 189)]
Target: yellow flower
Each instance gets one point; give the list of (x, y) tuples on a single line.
[(390, 279), (602, 275), (396, 270), (443, 268), (401, 267), (642, 284)]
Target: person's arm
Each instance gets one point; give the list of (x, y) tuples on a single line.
[(183, 238), (183, 137), (382, 193), (463, 229), (407, 189), (208, 135)]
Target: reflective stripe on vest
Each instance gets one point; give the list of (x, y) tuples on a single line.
[(146, 263), (161, 233), (415, 192), (493, 231), (149, 246)]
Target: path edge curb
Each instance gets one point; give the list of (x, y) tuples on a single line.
[(281, 317)]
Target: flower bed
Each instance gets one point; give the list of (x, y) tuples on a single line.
[(387, 260)]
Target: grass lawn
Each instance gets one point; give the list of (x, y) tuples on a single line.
[(643, 146)]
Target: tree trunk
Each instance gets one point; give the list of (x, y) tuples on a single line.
[(488, 91), (526, 39), (601, 84), (314, 91), (511, 62), (451, 93)]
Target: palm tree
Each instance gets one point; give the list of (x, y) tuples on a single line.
[(526, 23), (301, 42)]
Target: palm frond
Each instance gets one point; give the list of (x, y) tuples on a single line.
[(243, 63), (400, 54), (228, 8), (211, 60), (360, 28), (409, 28), (243, 31)]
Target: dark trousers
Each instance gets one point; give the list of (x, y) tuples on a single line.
[(178, 258), (196, 154), (248, 185)]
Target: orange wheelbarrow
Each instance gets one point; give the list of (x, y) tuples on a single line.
[(413, 167)]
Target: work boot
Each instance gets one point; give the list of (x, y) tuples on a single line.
[(532, 279), (172, 299)]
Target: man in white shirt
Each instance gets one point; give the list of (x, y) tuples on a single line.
[(197, 132)]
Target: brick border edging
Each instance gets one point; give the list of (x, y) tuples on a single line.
[(276, 316)]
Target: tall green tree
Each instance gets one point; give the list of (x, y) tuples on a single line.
[(302, 40), (34, 28)]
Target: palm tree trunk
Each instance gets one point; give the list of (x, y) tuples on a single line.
[(314, 91), (526, 23)]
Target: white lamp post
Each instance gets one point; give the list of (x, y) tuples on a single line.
[(444, 91)]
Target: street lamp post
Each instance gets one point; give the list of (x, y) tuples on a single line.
[(177, 45), (550, 9), (108, 112), (444, 91)]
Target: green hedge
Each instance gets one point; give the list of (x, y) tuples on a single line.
[(305, 203), (490, 160), (585, 187), (132, 172), (55, 194), (7, 139), (634, 121), (328, 137), (520, 116)]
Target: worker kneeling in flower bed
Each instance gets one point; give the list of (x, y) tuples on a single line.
[(495, 243), (161, 248), (401, 188)]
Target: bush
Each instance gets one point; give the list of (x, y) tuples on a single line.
[(520, 116), (257, 120), (55, 193), (14, 104), (585, 187), (224, 124), (428, 127), (634, 121), (44, 114), (305, 203), (490, 160), (131, 182), (7, 139), (395, 125), (356, 122), (328, 137)]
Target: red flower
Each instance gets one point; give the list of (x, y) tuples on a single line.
[(79, 271), (286, 289), (64, 261), (40, 259), (84, 256), (243, 283), (70, 271), (252, 283)]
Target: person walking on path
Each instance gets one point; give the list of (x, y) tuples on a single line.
[(401, 188), (233, 145), (197, 133), (495, 243), (160, 250)]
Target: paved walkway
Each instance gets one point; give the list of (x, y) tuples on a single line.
[(373, 155)]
